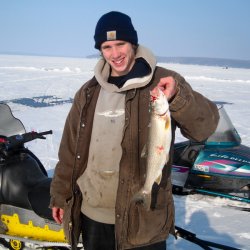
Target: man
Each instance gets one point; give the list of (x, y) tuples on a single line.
[(100, 166)]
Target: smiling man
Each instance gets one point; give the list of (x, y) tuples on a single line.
[(100, 166)]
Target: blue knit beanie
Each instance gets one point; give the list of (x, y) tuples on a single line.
[(114, 26)]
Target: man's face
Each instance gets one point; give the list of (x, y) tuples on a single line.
[(120, 55)]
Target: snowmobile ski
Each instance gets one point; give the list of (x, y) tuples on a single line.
[(213, 193), (207, 245)]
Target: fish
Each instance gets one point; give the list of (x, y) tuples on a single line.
[(158, 145)]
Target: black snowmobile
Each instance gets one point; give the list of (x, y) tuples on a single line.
[(219, 166), (24, 190)]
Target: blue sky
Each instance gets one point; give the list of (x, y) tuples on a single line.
[(198, 28)]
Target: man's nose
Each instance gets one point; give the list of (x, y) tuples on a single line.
[(115, 52)]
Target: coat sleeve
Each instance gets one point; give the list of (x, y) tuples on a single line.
[(60, 189), (195, 115)]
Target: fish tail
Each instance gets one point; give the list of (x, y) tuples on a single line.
[(143, 198)]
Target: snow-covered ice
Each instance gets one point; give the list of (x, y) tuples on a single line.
[(46, 85)]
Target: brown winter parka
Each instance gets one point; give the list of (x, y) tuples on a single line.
[(195, 115)]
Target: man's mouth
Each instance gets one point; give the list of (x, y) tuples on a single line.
[(118, 62)]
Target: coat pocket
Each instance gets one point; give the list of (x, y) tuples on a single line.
[(148, 226), (67, 220), (72, 223)]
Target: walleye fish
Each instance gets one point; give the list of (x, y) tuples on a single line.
[(158, 145)]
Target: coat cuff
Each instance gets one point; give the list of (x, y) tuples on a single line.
[(179, 100)]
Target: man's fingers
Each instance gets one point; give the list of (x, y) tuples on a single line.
[(57, 214), (61, 214), (168, 86)]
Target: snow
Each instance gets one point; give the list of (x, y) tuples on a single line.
[(48, 84)]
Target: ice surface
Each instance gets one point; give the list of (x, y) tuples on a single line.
[(39, 90)]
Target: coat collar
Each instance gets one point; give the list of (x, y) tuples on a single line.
[(102, 72)]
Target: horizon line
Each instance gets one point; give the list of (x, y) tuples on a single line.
[(97, 56)]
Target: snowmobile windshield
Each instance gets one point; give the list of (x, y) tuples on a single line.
[(9, 125), (225, 133)]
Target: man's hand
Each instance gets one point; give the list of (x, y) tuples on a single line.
[(168, 86), (57, 214)]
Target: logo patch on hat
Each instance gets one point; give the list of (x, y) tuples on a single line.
[(111, 35)]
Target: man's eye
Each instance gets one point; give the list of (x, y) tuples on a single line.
[(121, 44), (105, 47)]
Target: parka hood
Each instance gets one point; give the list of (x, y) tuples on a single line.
[(102, 72)]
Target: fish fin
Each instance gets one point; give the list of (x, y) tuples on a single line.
[(144, 152), (158, 180), (143, 198), (167, 124)]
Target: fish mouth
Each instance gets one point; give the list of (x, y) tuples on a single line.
[(154, 94)]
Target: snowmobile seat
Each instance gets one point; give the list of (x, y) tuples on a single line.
[(18, 175), (39, 198), (186, 152)]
